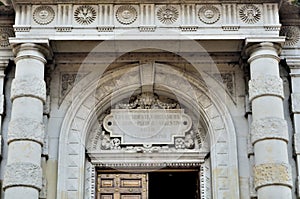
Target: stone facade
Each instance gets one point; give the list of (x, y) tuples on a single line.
[(145, 86)]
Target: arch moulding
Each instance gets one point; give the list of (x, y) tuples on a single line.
[(87, 103)]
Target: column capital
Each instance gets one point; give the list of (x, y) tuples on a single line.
[(34, 48)]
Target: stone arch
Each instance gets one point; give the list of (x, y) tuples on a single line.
[(224, 166)]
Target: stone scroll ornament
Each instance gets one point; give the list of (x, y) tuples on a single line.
[(209, 14), (167, 14), (43, 15), (126, 15), (250, 14), (85, 15)]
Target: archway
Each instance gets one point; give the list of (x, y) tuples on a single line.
[(86, 107)]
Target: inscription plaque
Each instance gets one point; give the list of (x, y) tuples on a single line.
[(147, 126)]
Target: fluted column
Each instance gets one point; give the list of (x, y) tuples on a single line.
[(269, 131), (23, 173)]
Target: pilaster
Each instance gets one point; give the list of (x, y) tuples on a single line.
[(292, 57), (269, 132), (23, 173)]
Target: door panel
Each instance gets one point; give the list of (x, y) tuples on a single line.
[(122, 186)]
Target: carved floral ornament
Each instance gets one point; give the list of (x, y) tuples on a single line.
[(250, 14), (85, 15), (126, 14), (167, 14), (209, 14), (43, 15)]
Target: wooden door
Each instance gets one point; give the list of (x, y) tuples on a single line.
[(122, 186)]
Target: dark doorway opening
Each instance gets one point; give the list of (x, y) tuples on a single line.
[(174, 185)]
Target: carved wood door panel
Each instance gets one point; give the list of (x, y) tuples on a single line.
[(122, 186)]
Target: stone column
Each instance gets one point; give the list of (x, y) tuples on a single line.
[(23, 173), (269, 132)]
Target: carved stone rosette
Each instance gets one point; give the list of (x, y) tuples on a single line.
[(209, 14), (292, 35), (167, 14), (272, 174), (43, 15), (85, 15), (265, 85), (126, 14), (269, 128), (23, 174), (5, 33), (250, 14)]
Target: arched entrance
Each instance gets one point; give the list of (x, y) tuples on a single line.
[(81, 140)]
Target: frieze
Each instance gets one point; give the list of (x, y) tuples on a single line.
[(33, 87), (265, 85), (152, 17), (43, 15), (23, 174), (26, 129), (269, 128), (271, 174)]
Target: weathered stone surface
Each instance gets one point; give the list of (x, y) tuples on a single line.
[(269, 128), (26, 129), (23, 174), (31, 87), (265, 85), (272, 174)]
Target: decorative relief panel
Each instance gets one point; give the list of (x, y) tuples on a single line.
[(272, 173), (5, 33), (23, 174), (43, 15), (85, 15), (67, 81), (265, 85), (269, 128), (167, 14), (291, 33), (126, 14), (250, 14), (209, 14)]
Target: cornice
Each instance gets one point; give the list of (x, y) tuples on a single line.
[(136, 2)]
